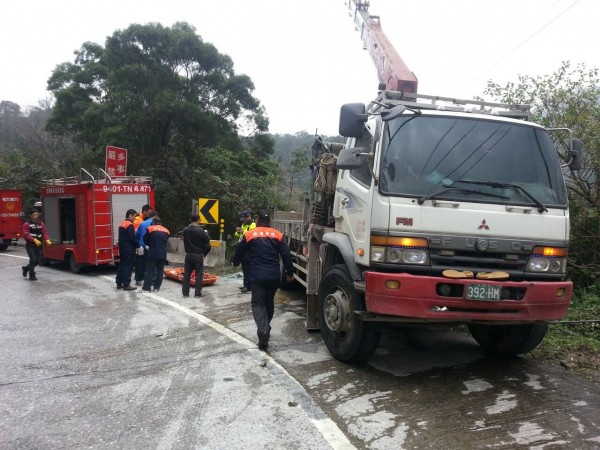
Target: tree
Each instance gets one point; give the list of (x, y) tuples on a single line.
[(300, 163), (172, 100), (570, 97)]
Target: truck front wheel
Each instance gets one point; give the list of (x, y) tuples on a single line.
[(508, 340), (4, 244), (347, 337)]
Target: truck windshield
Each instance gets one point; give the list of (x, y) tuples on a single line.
[(428, 156)]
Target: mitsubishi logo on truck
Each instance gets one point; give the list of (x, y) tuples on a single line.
[(483, 226)]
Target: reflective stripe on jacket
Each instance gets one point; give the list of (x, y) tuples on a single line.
[(245, 228)]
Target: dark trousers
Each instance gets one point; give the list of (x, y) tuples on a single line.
[(154, 274), (140, 267), (263, 305), (124, 270), (246, 263), (193, 261), (35, 254)]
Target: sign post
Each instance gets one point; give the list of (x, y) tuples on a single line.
[(116, 161)]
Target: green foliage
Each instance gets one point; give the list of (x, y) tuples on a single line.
[(179, 108), (570, 98), (294, 155)]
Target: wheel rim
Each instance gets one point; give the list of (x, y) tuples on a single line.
[(337, 312)]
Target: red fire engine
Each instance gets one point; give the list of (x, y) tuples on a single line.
[(11, 210), (82, 215)]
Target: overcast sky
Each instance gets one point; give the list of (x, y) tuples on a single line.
[(304, 57)]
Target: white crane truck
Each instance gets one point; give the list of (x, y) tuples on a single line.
[(435, 211)]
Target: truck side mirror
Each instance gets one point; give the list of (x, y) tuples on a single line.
[(576, 154), (350, 158), (352, 120)]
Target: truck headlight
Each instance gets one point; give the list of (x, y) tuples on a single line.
[(399, 250), (541, 264), (415, 257), (394, 255), (378, 254), (548, 260)]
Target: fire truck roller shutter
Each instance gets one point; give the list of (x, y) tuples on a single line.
[(120, 204), (51, 212)]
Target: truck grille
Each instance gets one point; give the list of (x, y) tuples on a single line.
[(476, 260)]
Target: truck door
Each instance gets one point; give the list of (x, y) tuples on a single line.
[(50, 207), (352, 207)]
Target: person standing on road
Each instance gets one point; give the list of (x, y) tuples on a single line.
[(156, 240), (140, 257), (127, 247), (197, 245), (142, 254), (265, 246), (34, 232), (247, 225)]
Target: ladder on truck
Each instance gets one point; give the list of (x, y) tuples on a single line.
[(102, 224)]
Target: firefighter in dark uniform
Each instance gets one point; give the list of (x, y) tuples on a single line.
[(127, 247), (197, 245), (264, 245), (156, 239), (34, 232)]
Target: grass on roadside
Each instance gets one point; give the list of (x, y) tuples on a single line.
[(576, 347)]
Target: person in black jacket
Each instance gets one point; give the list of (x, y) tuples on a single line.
[(35, 234), (156, 240), (264, 245), (197, 245), (127, 246)]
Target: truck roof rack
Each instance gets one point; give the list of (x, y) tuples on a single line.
[(434, 102), (103, 178)]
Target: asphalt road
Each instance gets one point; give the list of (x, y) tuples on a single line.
[(83, 365)]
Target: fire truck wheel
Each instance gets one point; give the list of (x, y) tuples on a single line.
[(346, 335), (4, 245), (508, 340), (75, 268)]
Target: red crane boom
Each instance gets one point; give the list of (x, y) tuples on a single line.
[(393, 73)]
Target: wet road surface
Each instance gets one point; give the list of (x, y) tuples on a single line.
[(85, 366)]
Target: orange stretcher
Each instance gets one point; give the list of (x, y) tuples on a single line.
[(177, 275)]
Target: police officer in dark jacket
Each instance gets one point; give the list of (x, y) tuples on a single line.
[(197, 245), (264, 245), (127, 247), (156, 240)]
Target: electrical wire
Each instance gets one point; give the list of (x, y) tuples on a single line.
[(518, 46)]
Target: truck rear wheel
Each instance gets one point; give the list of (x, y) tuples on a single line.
[(4, 244), (75, 268), (346, 335), (508, 340)]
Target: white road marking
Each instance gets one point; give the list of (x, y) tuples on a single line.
[(14, 256), (327, 427)]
